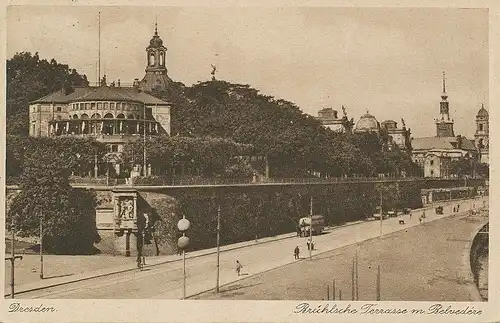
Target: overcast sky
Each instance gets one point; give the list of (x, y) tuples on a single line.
[(385, 61)]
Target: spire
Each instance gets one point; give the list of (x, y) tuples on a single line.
[(444, 83), (156, 26), (444, 96)]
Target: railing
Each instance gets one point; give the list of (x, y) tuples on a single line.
[(203, 181)]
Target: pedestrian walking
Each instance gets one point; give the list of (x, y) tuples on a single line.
[(238, 267), (296, 252), (308, 245)]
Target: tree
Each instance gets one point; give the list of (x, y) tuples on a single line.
[(204, 156), (80, 153), (68, 214), (30, 78), (461, 167)]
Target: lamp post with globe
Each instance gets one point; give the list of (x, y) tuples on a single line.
[(183, 242)]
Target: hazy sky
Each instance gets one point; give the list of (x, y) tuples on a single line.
[(385, 61)]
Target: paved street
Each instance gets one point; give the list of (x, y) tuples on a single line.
[(165, 281), (424, 263)]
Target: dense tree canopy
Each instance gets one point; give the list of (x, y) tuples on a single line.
[(68, 214), (78, 153), (295, 143), (204, 156), (30, 78)]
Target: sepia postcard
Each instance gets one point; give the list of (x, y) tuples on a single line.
[(306, 161)]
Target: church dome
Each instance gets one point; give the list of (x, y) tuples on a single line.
[(367, 123), (482, 112)]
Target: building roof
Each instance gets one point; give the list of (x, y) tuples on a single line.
[(101, 93), (428, 143), (482, 112), (367, 123)]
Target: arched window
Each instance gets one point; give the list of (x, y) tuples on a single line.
[(85, 116), (96, 116), (151, 58), (58, 109), (108, 116), (120, 116), (75, 116), (162, 59)]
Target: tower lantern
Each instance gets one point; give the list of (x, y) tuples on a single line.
[(156, 77)]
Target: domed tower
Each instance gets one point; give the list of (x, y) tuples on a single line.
[(482, 133), (156, 77), (367, 123), (444, 125)]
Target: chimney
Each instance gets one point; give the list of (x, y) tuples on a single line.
[(136, 83), (118, 82)]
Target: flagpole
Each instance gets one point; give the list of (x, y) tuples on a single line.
[(99, 65)]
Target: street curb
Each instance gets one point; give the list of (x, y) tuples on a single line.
[(290, 235), (323, 252)]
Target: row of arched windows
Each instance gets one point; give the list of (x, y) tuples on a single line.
[(106, 116), (152, 58), (123, 106)]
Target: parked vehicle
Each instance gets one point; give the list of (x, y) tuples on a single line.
[(439, 210), (377, 213), (392, 213), (318, 224)]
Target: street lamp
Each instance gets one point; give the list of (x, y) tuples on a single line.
[(183, 242), (381, 211), (218, 248), (310, 228)]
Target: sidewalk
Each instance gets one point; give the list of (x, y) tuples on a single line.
[(123, 264), (60, 270)]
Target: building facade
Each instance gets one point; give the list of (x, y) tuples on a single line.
[(435, 154), (399, 137), (111, 114), (330, 119)]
